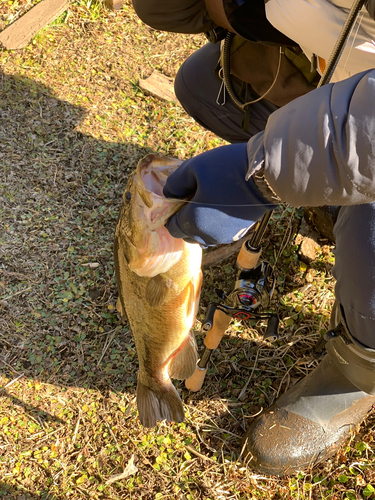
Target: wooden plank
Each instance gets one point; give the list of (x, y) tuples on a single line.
[(19, 34), (114, 4), (159, 85), (222, 252)]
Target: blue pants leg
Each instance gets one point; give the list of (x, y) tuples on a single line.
[(354, 270), (197, 87)]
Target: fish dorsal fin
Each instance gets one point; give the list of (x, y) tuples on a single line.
[(157, 290), (184, 361), (162, 403), (119, 307)]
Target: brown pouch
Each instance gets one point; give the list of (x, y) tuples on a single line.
[(256, 64)]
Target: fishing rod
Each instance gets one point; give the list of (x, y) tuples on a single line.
[(341, 42), (255, 283), (252, 293)]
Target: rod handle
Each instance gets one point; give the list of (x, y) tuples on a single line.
[(248, 256), (195, 382), (220, 324)]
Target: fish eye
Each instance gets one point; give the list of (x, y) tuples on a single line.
[(128, 195)]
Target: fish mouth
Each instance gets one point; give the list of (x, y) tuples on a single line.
[(155, 250), (150, 177), (153, 172)]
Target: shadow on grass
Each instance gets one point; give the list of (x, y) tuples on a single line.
[(60, 195), (63, 346), (9, 493), (60, 335)]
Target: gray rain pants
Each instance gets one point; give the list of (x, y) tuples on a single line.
[(197, 87)]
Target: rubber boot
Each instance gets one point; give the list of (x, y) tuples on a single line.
[(314, 418), (322, 219)]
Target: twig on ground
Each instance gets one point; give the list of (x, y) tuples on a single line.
[(242, 393), (11, 382)]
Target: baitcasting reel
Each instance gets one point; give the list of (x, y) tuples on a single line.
[(252, 293)]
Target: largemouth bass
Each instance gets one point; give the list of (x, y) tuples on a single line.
[(159, 280)]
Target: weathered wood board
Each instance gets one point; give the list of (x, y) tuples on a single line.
[(159, 85), (19, 34), (222, 252), (114, 4)]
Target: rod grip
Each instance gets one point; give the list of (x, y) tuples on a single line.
[(195, 382), (213, 337), (248, 258)]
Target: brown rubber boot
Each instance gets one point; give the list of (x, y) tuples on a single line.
[(315, 417), (322, 219)]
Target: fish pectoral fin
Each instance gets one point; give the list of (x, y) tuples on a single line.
[(161, 403), (157, 290), (184, 361)]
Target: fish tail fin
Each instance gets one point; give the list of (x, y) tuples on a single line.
[(184, 360), (159, 403)]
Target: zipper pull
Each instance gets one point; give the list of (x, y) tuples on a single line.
[(220, 99)]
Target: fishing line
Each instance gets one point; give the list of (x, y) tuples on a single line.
[(341, 41), (358, 23), (179, 200)]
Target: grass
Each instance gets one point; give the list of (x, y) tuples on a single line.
[(73, 125), (12, 10)]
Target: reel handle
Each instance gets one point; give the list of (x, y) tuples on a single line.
[(272, 328)]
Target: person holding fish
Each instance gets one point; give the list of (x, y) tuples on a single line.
[(293, 143)]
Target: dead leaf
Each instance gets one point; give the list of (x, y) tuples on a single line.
[(128, 471)]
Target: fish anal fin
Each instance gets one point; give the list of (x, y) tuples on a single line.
[(159, 403), (183, 361), (157, 290)]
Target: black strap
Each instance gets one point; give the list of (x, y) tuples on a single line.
[(251, 23), (319, 348)]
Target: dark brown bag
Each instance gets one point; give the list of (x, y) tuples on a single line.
[(255, 52), (257, 64)]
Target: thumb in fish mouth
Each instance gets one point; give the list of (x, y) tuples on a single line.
[(159, 403)]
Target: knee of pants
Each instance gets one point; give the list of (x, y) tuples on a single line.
[(184, 93), (197, 80), (197, 87), (354, 270)]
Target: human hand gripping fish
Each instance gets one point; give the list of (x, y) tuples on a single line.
[(159, 279)]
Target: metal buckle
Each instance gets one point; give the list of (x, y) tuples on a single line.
[(318, 350)]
